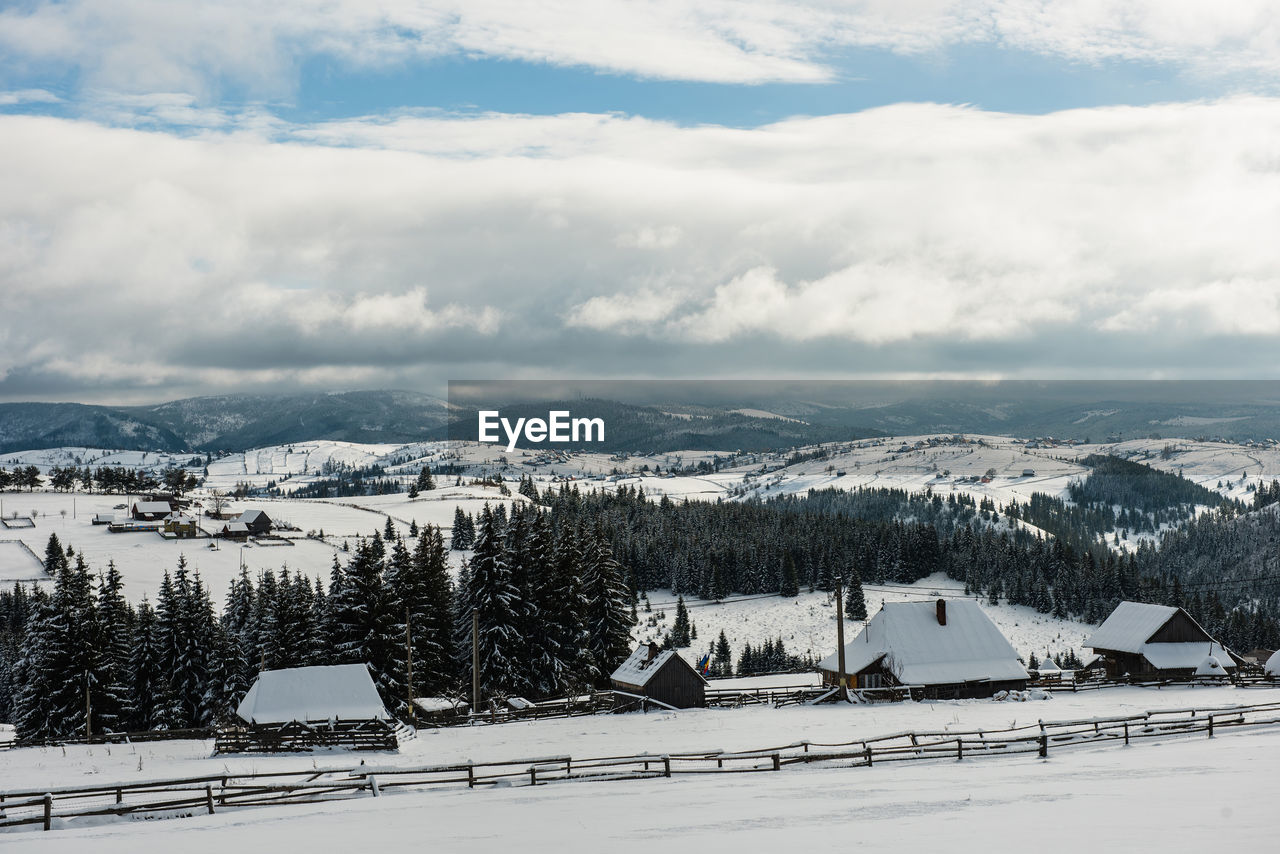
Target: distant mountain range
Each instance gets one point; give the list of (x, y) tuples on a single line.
[(228, 423), (659, 417)]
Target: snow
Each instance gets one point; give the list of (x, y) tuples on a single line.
[(1272, 667), (1191, 793), (1130, 626), (921, 651), (1182, 656), (1210, 667), (1048, 665), (341, 691)]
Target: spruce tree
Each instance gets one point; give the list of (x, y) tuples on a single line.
[(608, 612)]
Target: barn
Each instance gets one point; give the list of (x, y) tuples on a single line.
[(300, 708), (150, 511), (256, 521), (1143, 641), (948, 649), (661, 675)]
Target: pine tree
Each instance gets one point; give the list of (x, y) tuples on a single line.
[(608, 613), (790, 578), (680, 635), (462, 536), (855, 604), (722, 662), (493, 597)]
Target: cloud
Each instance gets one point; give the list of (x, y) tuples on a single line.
[(28, 96), (202, 48), (896, 241)]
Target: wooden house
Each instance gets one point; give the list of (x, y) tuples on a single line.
[(662, 676), (150, 511), (256, 521), (234, 531), (1142, 641), (301, 708), (181, 525), (943, 649)]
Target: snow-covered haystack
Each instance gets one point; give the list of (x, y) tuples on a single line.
[(1210, 668), (1272, 667), (1048, 667)]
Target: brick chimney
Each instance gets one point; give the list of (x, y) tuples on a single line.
[(942, 612)]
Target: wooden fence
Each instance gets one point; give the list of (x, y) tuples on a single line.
[(210, 794)]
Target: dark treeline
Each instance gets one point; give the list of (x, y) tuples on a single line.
[(554, 615)]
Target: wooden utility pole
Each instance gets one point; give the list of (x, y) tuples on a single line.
[(844, 684), (88, 709), (408, 649), (475, 661)]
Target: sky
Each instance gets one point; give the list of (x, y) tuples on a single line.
[(208, 198)]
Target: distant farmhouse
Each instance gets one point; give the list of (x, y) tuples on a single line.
[(150, 511), (662, 676), (949, 649), (257, 522), (1144, 641), (181, 525)]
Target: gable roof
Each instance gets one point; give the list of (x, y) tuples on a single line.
[(1185, 655), (342, 691), (251, 516), (638, 669), (1130, 626), (152, 507), (920, 651), (236, 528)]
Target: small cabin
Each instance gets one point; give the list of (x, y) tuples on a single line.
[(234, 531), (1028, 472), (1143, 641), (948, 649), (256, 522), (150, 511), (300, 708), (662, 676)]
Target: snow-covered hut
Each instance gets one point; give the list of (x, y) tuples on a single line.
[(255, 522), (301, 708), (948, 649), (1146, 641), (333, 692), (234, 531), (661, 675)]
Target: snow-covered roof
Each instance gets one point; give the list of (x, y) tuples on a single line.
[(1048, 666), (440, 704), (251, 516), (920, 651), (638, 669), (1130, 626), (152, 507), (1184, 656), (342, 691), (1272, 667), (236, 528), (1210, 667)]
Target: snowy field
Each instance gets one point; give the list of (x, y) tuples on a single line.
[(1183, 794), (807, 623)]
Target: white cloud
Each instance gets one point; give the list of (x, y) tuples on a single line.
[(202, 47), (619, 242), (28, 96)]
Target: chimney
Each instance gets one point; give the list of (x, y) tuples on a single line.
[(942, 612), (654, 649)]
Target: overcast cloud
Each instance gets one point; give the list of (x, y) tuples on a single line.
[(158, 240)]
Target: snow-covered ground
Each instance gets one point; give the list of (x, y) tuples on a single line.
[(1183, 794), (807, 623)]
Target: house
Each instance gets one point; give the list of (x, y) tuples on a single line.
[(300, 708), (1142, 641), (234, 531), (661, 675), (181, 525), (947, 649), (150, 511), (1028, 472), (256, 522)]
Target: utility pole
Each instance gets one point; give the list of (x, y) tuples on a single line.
[(408, 649), (844, 684), (475, 661), (88, 709)]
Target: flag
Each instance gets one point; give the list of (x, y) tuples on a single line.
[(704, 664)]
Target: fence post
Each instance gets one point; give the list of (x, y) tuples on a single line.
[(1126, 732), (48, 811), (777, 762), (866, 749), (959, 749), (471, 776), (373, 785), (1210, 726), (208, 797), (533, 775), (666, 766), (1044, 746)]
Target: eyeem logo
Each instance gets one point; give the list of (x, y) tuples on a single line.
[(557, 427)]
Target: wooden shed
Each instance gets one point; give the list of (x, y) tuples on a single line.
[(661, 675), (1142, 641), (256, 521), (943, 649)]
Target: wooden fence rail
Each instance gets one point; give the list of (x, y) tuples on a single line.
[(207, 794)]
